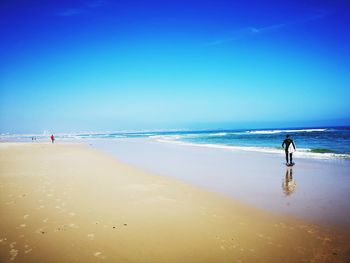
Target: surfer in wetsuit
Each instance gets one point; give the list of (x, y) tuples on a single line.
[(289, 148)]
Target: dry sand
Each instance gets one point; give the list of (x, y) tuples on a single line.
[(69, 203)]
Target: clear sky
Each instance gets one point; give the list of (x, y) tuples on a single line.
[(133, 65)]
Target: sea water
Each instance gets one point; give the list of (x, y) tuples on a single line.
[(317, 142), (328, 142), (321, 142)]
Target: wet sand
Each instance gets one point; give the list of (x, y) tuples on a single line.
[(70, 203), (315, 190)]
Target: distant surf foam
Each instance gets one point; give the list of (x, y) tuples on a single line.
[(301, 152), (284, 131)]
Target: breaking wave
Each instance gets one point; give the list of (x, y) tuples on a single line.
[(282, 131)]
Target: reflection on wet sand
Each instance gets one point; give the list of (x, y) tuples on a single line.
[(289, 183)]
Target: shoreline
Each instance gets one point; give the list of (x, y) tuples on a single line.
[(300, 153), (324, 143), (303, 153), (71, 202)]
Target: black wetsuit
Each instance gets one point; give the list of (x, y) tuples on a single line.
[(285, 145)]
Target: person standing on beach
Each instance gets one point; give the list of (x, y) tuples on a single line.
[(52, 138), (289, 148)]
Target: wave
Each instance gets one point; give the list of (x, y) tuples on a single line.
[(322, 150), (138, 134), (91, 136), (167, 137), (288, 131), (301, 152), (219, 134)]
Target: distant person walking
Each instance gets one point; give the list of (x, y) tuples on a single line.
[(52, 138), (289, 148)]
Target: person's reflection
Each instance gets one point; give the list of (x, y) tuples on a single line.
[(289, 184)]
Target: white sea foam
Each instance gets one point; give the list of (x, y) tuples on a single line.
[(288, 131), (192, 135), (167, 137), (301, 152), (219, 134)]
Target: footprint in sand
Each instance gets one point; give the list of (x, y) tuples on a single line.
[(41, 231), (12, 244), (98, 255), (45, 220), (27, 249), (91, 236), (25, 216), (61, 228), (3, 239), (13, 254)]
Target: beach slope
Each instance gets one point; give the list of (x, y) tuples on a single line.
[(70, 203)]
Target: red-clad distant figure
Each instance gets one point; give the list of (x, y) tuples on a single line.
[(52, 138)]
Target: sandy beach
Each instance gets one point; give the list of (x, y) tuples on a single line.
[(72, 203)]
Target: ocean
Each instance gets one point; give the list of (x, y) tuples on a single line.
[(310, 142), (323, 142)]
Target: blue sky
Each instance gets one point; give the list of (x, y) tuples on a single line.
[(134, 65)]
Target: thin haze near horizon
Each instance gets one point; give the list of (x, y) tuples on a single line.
[(137, 65)]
